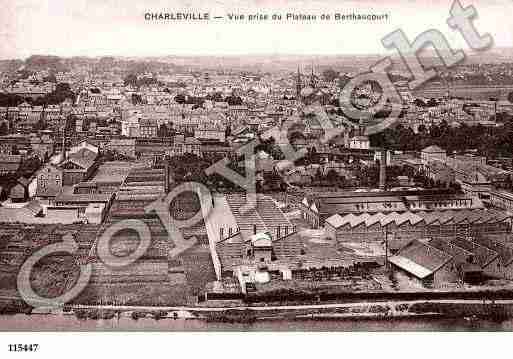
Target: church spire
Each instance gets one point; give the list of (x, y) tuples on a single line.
[(298, 85), (312, 79)]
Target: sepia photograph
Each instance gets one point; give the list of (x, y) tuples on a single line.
[(255, 166)]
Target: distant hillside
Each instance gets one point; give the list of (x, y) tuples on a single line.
[(10, 65), (250, 63), (45, 62)]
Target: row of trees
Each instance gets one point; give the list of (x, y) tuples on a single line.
[(62, 92), (4, 129), (216, 97), (488, 141), (166, 130), (135, 81), (190, 100), (189, 167), (269, 146)]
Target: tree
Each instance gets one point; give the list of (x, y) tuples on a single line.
[(432, 102), (39, 125), (311, 155), (419, 102), (502, 117), (9, 100), (29, 166), (62, 92), (216, 97), (343, 80), (70, 125), (332, 176), (180, 98), (234, 100), (50, 78), (342, 182), (329, 75), (318, 175), (137, 99), (163, 131), (131, 80), (4, 129)]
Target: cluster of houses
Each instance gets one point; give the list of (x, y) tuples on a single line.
[(474, 175), (52, 193)]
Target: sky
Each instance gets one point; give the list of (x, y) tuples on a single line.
[(118, 28)]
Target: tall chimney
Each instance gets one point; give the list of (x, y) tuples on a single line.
[(166, 178), (382, 170), (63, 156)]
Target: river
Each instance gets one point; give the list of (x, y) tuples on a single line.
[(22, 322)]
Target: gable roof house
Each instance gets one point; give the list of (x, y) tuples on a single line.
[(19, 192), (79, 166), (433, 153), (424, 264)]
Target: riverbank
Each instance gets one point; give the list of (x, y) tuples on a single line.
[(46, 323), (497, 303), (474, 309)]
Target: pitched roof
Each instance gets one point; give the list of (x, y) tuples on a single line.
[(335, 221), (482, 255), (266, 216), (433, 149), (83, 197), (499, 243), (449, 248), (84, 158), (420, 259)]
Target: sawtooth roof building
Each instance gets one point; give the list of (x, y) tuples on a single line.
[(406, 226), (317, 207)]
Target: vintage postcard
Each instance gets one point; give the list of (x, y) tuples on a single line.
[(256, 165)]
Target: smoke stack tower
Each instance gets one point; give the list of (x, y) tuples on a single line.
[(382, 170), (166, 178), (63, 150)]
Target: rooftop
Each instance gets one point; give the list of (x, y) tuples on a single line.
[(420, 259), (433, 149)]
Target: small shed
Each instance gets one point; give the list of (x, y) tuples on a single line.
[(18, 193)]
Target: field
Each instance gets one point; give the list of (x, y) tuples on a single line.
[(131, 293), (472, 92), (198, 267)]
